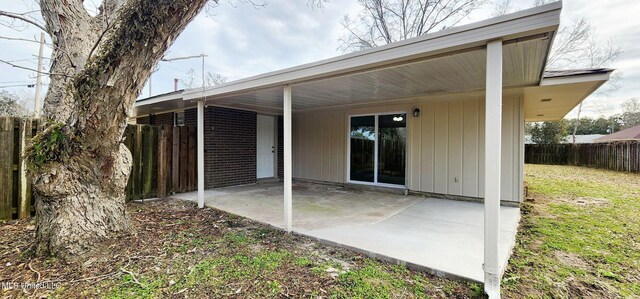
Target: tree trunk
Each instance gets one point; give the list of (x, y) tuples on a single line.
[(81, 201), (99, 67)]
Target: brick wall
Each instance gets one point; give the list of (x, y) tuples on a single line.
[(230, 144), (145, 120), (230, 147), (156, 119), (162, 119), (191, 117)]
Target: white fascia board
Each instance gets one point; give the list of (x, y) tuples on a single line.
[(159, 99), (524, 23), (575, 79)]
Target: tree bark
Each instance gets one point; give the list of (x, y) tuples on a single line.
[(101, 64)]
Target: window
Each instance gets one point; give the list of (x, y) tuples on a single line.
[(178, 119)]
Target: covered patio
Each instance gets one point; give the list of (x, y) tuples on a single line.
[(440, 236), (441, 114)]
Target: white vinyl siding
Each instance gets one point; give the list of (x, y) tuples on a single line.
[(445, 145)]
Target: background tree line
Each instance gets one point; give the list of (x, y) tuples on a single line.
[(557, 131)]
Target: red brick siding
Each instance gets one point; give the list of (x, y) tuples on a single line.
[(191, 117), (156, 119), (230, 147), (145, 120), (162, 119), (230, 144)]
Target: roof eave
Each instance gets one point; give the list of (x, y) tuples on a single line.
[(537, 20)]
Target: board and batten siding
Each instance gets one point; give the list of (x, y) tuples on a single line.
[(445, 145)]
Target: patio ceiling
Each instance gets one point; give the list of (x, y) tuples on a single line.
[(455, 73), (448, 61)]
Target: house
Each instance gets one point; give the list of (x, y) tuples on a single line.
[(632, 133), (588, 138), (441, 115)]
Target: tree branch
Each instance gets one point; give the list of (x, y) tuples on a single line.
[(21, 18), (22, 39), (30, 69)]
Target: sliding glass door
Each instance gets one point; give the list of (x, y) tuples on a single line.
[(363, 147), (378, 149)]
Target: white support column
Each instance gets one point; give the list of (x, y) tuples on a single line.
[(201, 154), (288, 184), (493, 136)]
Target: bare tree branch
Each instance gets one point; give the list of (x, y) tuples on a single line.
[(387, 21), (30, 69), (22, 18), (22, 39)]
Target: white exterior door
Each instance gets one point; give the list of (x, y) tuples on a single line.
[(265, 143)]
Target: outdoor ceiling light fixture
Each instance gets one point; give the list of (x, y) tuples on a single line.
[(397, 118), (416, 112)]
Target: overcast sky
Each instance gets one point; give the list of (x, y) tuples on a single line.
[(241, 41)]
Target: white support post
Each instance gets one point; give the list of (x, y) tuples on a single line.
[(201, 154), (493, 136), (288, 184)]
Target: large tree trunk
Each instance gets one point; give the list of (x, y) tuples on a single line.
[(99, 66), (75, 208)]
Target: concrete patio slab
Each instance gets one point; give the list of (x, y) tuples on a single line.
[(444, 237)]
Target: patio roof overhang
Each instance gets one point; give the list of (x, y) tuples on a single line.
[(445, 62)]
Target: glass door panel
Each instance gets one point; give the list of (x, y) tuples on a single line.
[(392, 136), (362, 138)]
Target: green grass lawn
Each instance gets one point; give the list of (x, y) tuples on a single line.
[(579, 238), (579, 235)]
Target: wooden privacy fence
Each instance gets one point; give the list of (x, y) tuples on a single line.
[(15, 187), (618, 156), (164, 162)]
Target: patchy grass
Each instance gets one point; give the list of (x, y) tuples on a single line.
[(579, 237), (179, 251)]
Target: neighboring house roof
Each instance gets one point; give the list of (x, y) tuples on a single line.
[(527, 139), (632, 133), (590, 138)]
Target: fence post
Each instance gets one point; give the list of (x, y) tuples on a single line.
[(175, 160), (148, 138), (6, 167), (163, 161), (24, 183)]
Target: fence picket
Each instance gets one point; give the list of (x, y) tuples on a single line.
[(618, 155), (6, 167), (24, 183), (162, 157)]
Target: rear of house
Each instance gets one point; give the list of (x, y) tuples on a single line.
[(431, 144), (441, 115)]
